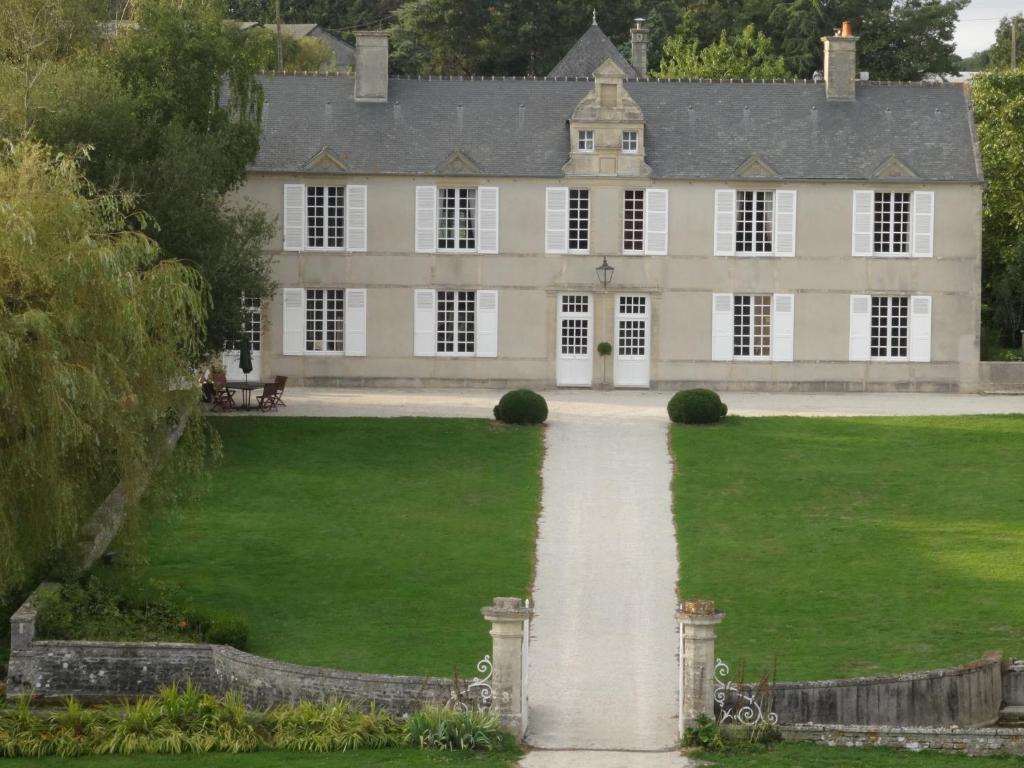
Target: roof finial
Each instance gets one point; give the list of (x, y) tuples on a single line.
[(594, 13)]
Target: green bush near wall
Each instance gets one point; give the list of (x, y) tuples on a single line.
[(696, 406)]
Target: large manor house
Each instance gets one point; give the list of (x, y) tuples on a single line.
[(787, 235)]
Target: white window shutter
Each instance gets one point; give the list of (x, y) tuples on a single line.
[(487, 220), (355, 322), (426, 219), (863, 222), (656, 222), (860, 327), (294, 321), (785, 222), (920, 349), (721, 326), (486, 323), (355, 217), (725, 226), (424, 323), (556, 220), (782, 327), (294, 217), (923, 211)]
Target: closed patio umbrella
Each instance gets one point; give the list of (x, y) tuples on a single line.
[(245, 356)]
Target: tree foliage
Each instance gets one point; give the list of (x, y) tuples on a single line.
[(999, 53), (746, 56), (171, 110), (999, 111), (94, 326)]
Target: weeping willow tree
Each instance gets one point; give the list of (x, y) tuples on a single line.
[(96, 336)]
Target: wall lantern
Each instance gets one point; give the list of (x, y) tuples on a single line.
[(605, 272)]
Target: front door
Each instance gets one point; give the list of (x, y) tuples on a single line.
[(633, 340), (574, 364)]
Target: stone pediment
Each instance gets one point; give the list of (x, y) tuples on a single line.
[(755, 167), (326, 161), (892, 168), (610, 69), (458, 163)]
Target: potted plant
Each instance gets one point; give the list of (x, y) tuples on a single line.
[(604, 349)]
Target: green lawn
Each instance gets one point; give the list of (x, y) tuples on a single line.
[(385, 758), (816, 756), (361, 544), (844, 547)]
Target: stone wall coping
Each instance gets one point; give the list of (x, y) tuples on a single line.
[(242, 657), (46, 647), (931, 674), (900, 730)]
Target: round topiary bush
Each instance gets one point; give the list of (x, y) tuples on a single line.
[(696, 406), (521, 406)]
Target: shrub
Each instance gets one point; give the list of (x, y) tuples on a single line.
[(228, 630), (696, 406), (521, 406), (704, 733), (444, 728)]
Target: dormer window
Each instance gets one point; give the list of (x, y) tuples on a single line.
[(585, 141), (630, 142)]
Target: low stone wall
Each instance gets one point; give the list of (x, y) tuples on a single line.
[(996, 378), (99, 671), (971, 741), (967, 696)]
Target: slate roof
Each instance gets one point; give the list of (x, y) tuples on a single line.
[(590, 52), (694, 130)]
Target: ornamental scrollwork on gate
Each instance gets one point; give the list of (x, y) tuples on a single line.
[(477, 691), (743, 707)]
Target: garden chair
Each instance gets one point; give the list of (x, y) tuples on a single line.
[(279, 382), (268, 400), (223, 395)]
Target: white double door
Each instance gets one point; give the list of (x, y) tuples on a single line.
[(632, 340), (574, 360)]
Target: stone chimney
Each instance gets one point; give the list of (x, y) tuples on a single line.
[(841, 64), (371, 66), (639, 37)]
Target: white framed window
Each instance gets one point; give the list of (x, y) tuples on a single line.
[(896, 328), (324, 321), (890, 326), (453, 322), (252, 325), (579, 220), (631, 322), (630, 141), (755, 222), (645, 222), (456, 322), (324, 217), (456, 219), (752, 326), (893, 223), (585, 141), (633, 221)]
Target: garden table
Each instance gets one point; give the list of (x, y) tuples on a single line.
[(246, 388)]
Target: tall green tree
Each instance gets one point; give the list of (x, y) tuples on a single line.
[(443, 37), (172, 111), (746, 56), (999, 53), (999, 111), (93, 327)]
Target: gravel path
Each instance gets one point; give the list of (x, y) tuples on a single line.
[(584, 759), (603, 668)]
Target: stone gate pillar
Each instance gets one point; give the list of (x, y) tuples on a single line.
[(697, 620), (23, 627), (508, 617)]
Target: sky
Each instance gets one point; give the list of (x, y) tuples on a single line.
[(978, 21)]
